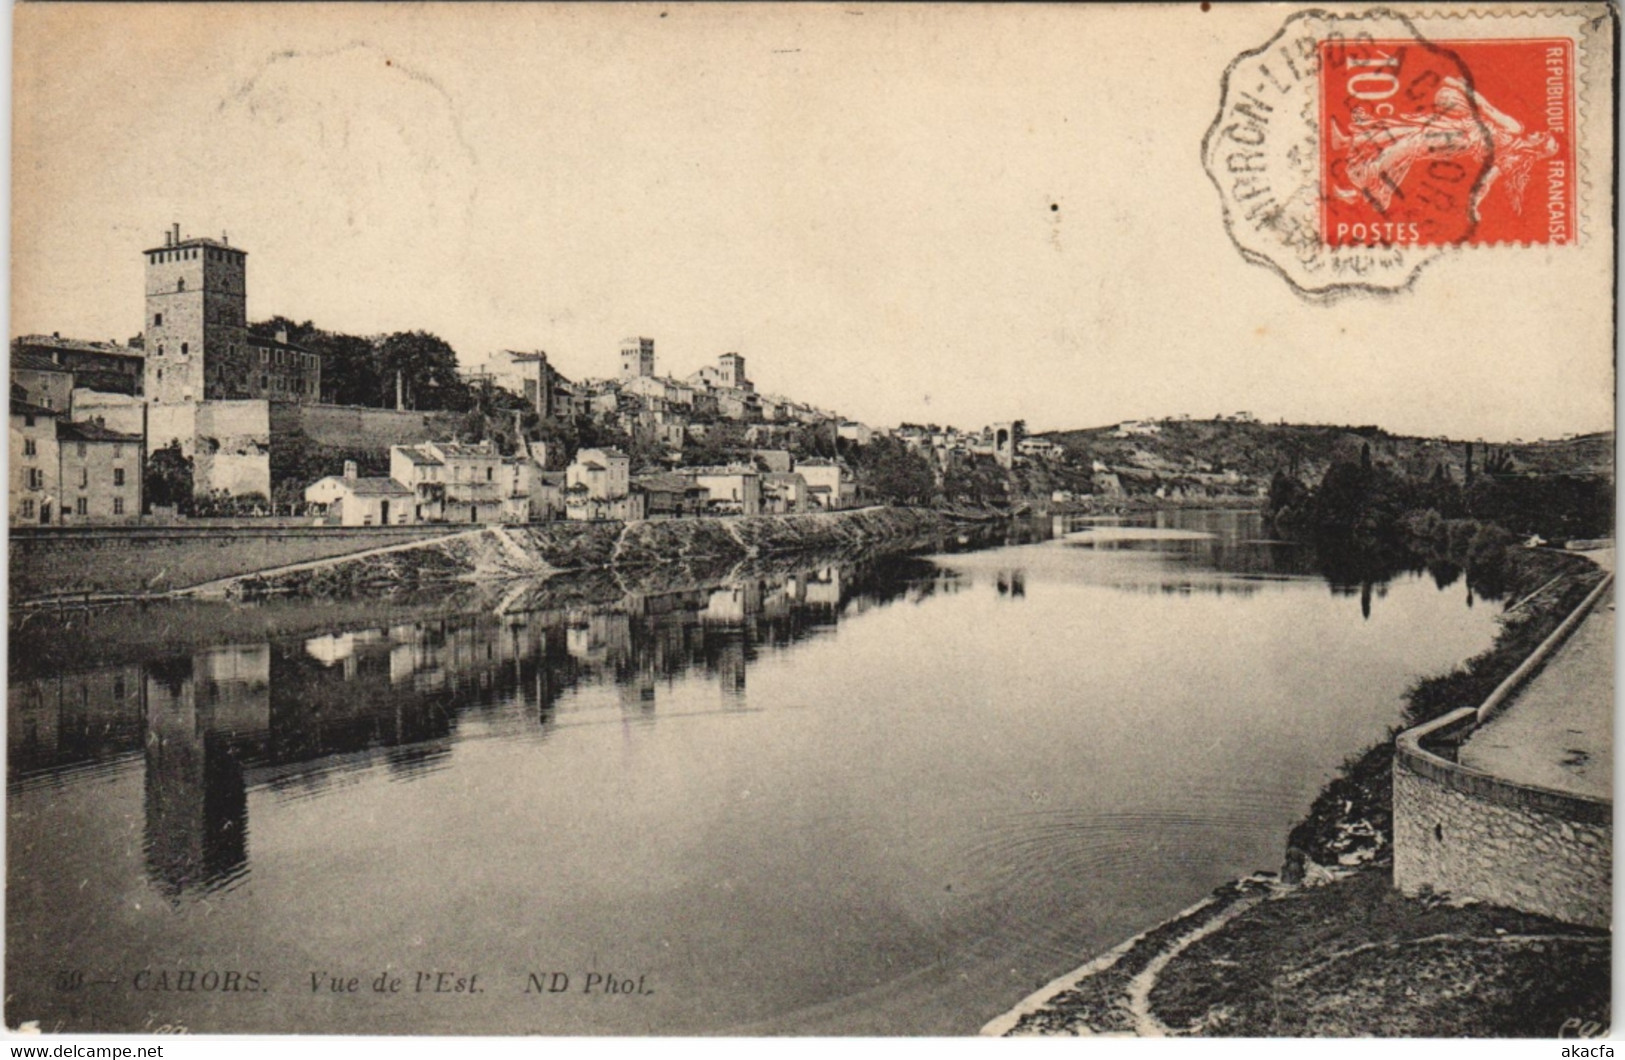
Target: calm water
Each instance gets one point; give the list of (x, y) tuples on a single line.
[(884, 797)]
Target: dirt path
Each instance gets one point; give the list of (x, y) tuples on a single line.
[(1351, 957)]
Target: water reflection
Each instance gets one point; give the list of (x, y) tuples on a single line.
[(898, 787), (1226, 555)]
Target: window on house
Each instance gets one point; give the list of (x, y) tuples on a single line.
[(84, 478), (157, 320), (36, 479), (81, 506), (118, 505), (28, 509), (488, 474), (80, 450), (118, 450), (118, 476), (29, 447), (186, 348), (28, 421), (180, 284)]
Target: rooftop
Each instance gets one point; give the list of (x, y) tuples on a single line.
[(91, 431), (57, 342), (419, 457), (273, 343), (372, 486), (666, 483), (466, 449), (23, 408), (29, 361), (196, 241)]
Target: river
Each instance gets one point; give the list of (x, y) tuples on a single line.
[(890, 796)]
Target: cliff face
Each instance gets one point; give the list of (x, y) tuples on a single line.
[(498, 552)]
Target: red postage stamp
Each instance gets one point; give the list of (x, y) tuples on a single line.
[(1447, 142)]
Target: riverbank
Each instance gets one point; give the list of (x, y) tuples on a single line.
[(1347, 957), (1328, 946), (544, 551), (98, 566)]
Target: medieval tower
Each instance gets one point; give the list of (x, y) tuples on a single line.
[(196, 321), (637, 358)]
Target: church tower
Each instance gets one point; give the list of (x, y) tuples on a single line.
[(196, 321)]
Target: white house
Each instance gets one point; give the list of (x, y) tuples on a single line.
[(351, 500)]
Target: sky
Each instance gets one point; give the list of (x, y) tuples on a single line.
[(956, 215)]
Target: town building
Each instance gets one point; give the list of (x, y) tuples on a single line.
[(353, 500), (35, 464), (598, 486), (733, 489), (829, 484), (784, 493), (454, 482), (729, 374), (857, 433), (530, 376), (535, 495), (44, 382), (671, 496), (99, 473), (1040, 447), (110, 367)]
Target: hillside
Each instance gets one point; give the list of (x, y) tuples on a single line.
[(1231, 450)]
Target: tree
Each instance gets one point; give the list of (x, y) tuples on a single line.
[(889, 471), (426, 366), (168, 480)]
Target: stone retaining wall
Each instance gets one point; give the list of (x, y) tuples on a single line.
[(1468, 834), (62, 560)]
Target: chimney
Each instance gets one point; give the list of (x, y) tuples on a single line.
[(176, 228), (169, 238), (349, 471), (224, 238), (282, 335)]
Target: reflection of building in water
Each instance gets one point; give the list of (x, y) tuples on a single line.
[(599, 637), (202, 712), (74, 719), (730, 663), (822, 587), (297, 712), (1012, 583)]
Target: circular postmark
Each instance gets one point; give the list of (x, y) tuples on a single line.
[(1349, 152)]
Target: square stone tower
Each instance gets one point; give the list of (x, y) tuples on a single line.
[(196, 321), (637, 358)]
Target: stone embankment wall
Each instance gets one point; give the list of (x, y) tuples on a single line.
[(535, 551), (1468, 834), (59, 561)]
